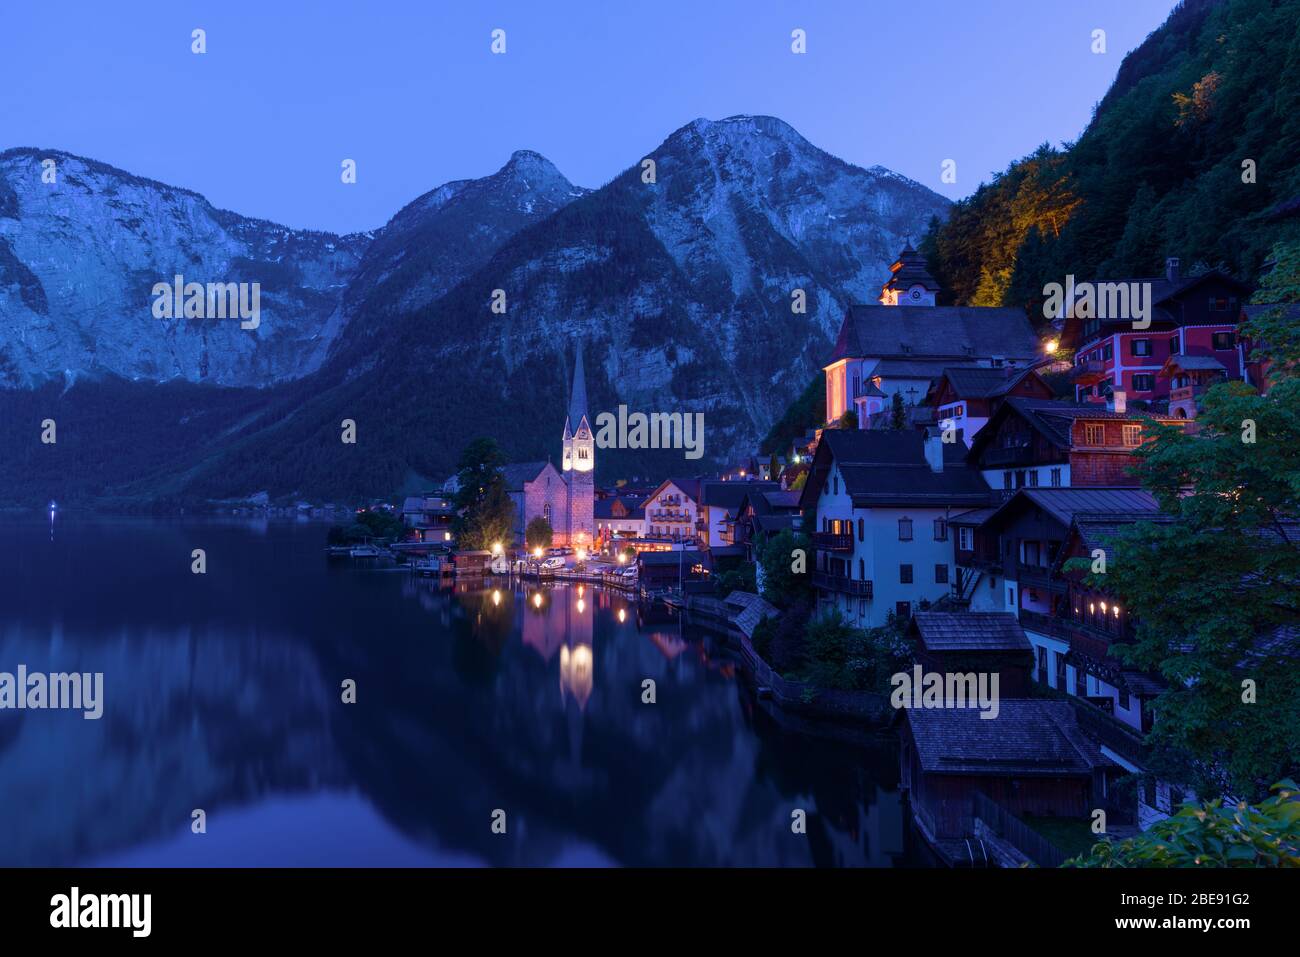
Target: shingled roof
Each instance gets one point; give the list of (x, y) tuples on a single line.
[(931, 332), (517, 473), (883, 468), (969, 631), (1028, 738), (983, 382), (1053, 419)]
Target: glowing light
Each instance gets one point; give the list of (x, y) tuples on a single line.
[(537, 599), (1116, 610), (622, 559), (580, 591), (537, 553), (582, 606), (1103, 608), (496, 548), (1052, 346), (446, 536), (496, 597), (622, 615), (582, 554)]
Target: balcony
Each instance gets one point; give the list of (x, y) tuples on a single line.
[(845, 586), (832, 541), (1090, 371), (1038, 576), (1084, 639)]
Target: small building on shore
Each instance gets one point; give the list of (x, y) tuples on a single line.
[(979, 642)]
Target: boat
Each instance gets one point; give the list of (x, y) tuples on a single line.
[(365, 551)]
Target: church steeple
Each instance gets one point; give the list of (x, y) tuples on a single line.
[(910, 282), (579, 443)]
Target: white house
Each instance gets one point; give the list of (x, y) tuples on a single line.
[(881, 502)]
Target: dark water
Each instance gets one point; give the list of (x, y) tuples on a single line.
[(223, 692)]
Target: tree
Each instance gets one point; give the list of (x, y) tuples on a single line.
[(849, 420), (486, 516), (787, 576), (538, 534), (897, 414), (1207, 587), (1212, 835)]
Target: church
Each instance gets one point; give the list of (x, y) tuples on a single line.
[(906, 343), (565, 497)]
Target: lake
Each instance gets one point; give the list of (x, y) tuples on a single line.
[(223, 692)]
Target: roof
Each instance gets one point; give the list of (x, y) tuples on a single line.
[(517, 473), (775, 524), (674, 558), (729, 495), (1063, 504), (955, 332), (910, 269), (983, 382), (782, 499), (750, 609), (970, 631), (577, 395), (889, 467), (689, 487), (1097, 528), (976, 516), (604, 507), (1028, 738), (1195, 364), (912, 368)]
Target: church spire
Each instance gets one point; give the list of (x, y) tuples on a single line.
[(577, 397)]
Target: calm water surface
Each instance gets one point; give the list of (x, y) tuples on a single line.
[(223, 692)]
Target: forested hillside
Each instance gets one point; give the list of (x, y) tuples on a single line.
[(1194, 152)]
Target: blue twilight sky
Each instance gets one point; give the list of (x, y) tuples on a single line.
[(411, 91)]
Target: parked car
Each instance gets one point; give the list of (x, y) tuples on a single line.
[(552, 564)]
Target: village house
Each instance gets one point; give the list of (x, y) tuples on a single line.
[(673, 513), (1035, 443), (963, 398), (881, 503), (1190, 316), (619, 519), (970, 781), (430, 517), (763, 514)]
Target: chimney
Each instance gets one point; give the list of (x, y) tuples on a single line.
[(1172, 269), (934, 449), (1120, 400)]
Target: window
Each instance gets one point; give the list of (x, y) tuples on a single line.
[(1020, 478), (1094, 433), (862, 608), (1222, 303), (546, 512), (1222, 341), (1033, 479), (1132, 435), (1123, 698), (1173, 346), (1011, 598), (964, 538), (903, 610), (1141, 347), (1060, 671), (1108, 352), (861, 531), (1056, 478), (905, 574), (904, 529), (1006, 480), (941, 574), (1143, 382), (940, 530)]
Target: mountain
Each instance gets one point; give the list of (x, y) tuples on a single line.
[(436, 241), (1194, 152), (79, 258), (680, 291)]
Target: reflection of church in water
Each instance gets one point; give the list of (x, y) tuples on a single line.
[(558, 623)]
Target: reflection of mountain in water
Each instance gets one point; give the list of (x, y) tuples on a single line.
[(190, 721)]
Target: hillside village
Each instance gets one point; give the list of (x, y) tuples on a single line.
[(967, 472)]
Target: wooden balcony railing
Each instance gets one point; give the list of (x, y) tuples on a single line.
[(845, 586), (833, 541)]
